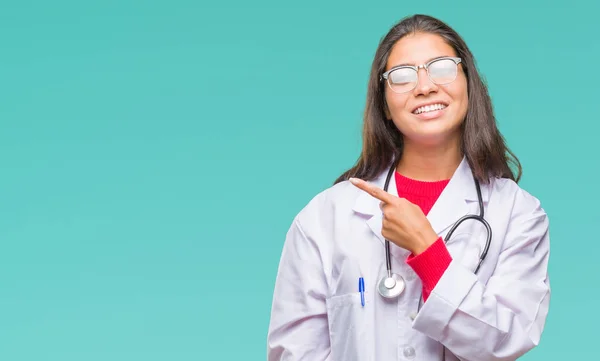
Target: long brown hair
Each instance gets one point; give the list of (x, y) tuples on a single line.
[(482, 143)]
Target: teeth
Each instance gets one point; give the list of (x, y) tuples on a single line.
[(429, 108)]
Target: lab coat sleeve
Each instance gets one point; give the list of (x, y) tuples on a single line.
[(298, 329), (504, 318)]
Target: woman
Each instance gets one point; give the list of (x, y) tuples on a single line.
[(429, 120)]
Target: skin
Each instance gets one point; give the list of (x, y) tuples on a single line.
[(431, 146)]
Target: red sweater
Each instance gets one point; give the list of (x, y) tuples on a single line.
[(431, 264)]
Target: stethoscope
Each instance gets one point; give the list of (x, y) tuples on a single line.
[(392, 284)]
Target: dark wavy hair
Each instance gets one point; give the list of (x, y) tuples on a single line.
[(482, 143)]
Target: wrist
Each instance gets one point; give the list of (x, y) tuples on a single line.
[(424, 242)]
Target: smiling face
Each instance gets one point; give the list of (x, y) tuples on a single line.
[(429, 114)]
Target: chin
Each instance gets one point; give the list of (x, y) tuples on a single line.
[(429, 132)]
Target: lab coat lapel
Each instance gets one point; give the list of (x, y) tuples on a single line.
[(452, 202)]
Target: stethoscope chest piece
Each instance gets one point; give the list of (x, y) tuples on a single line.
[(391, 287)]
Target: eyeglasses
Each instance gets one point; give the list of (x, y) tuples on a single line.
[(440, 71)]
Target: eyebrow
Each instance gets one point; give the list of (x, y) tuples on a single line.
[(432, 59)]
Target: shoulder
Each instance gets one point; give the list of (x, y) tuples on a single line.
[(507, 190), (525, 211), (325, 204)]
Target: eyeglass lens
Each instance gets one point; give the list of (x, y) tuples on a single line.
[(441, 72)]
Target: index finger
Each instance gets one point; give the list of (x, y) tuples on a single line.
[(372, 190)]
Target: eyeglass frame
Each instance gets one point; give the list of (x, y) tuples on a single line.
[(416, 68)]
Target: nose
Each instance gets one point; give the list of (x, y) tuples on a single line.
[(424, 84)]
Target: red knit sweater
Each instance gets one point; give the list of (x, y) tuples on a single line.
[(433, 262)]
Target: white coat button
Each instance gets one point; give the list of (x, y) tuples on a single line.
[(413, 315), (409, 352)]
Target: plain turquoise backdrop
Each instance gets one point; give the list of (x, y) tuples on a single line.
[(154, 153)]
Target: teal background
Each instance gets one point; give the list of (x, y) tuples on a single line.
[(152, 153)]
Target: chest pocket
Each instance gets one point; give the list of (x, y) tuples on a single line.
[(350, 326)]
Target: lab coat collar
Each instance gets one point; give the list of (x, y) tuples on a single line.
[(449, 207)]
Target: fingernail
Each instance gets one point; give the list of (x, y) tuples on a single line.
[(354, 180)]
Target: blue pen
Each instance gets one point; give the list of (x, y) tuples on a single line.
[(361, 289)]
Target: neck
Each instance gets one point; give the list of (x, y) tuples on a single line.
[(429, 163)]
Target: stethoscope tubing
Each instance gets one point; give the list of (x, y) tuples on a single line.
[(480, 218)]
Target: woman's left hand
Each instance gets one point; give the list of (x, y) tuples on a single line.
[(404, 223)]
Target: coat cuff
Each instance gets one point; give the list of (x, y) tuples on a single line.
[(430, 265), (452, 288)]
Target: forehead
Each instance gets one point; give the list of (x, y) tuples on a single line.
[(417, 49)]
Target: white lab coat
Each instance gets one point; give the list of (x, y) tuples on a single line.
[(498, 314)]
